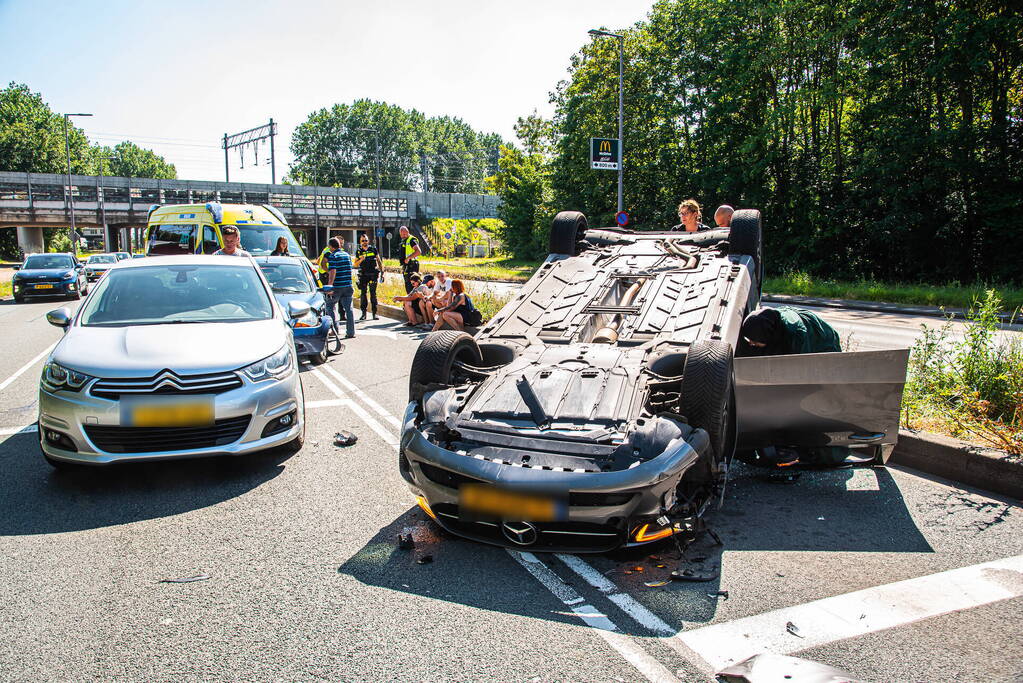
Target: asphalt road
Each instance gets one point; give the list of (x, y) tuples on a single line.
[(306, 582)]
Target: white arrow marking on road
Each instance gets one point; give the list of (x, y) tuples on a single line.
[(858, 613), (26, 366), (651, 669)]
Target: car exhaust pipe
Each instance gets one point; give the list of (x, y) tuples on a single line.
[(609, 333)]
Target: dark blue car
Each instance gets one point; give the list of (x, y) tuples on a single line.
[(292, 279), (50, 275)]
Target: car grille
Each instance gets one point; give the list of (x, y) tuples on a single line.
[(152, 439), (551, 536), (167, 383)]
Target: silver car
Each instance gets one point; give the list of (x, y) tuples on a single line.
[(172, 357)]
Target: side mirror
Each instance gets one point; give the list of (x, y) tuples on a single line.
[(17, 266), (297, 309), (59, 318)]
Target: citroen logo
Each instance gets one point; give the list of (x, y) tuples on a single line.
[(519, 533)]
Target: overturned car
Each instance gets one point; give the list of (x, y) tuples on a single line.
[(602, 406)]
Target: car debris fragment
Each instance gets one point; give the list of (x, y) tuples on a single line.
[(406, 542), (772, 668), (793, 629), (186, 579), (345, 438)]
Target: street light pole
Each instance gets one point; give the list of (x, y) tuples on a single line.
[(621, 111), (70, 194), (103, 204)]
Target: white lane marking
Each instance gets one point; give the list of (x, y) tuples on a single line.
[(387, 436), (626, 602), (651, 669), (858, 613), (26, 429), (330, 403), (362, 396), (377, 333), (26, 366)]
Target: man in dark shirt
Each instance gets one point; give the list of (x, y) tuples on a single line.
[(410, 253), (367, 260), (339, 277)]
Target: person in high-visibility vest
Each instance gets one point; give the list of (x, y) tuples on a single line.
[(410, 253)]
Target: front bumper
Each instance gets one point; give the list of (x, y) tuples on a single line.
[(95, 275), (602, 507), (74, 414), (27, 289)]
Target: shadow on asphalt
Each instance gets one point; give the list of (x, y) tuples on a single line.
[(36, 499), (862, 509)]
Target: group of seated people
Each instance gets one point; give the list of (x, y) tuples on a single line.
[(436, 300)]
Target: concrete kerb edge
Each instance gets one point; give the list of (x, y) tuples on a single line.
[(876, 306), (941, 456)]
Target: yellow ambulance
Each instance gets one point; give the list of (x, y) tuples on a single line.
[(177, 229)]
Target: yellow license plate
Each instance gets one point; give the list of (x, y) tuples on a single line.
[(175, 411), (44, 286), (479, 499)]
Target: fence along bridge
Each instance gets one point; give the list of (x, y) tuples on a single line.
[(120, 206)]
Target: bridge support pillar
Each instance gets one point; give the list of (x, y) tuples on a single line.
[(30, 240), (108, 245), (124, 239)]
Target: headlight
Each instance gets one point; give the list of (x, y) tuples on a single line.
[(56, 376), (310, 319), (89, 271), (273, 367), (69, 276)]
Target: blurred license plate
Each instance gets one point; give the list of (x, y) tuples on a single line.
[(479, 499), (172, 411), (44, 286)]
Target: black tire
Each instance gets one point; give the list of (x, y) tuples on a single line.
[(295, 445), (566, 231), (19, 299), (75, 296), (708, 395), (321, 357), (434, 357), (745, 237)]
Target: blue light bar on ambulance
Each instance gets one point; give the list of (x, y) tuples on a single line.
[(217, 210)]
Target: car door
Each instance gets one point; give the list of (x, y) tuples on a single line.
[(820, 399)]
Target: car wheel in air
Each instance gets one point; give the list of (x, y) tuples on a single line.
[(435, 357), (745, 238), (566, 231), (708, 397)]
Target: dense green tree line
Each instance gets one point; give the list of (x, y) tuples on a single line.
[(333, 147), (880, 138)]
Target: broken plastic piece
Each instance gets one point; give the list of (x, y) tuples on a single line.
[(719, 594), (637, 568), (793, 629), (425, 559), (406, 542), (769, 667), (186, 579), (655, 584), (344, 438), (694, 575)]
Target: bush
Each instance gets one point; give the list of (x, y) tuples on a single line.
[(970, 386)]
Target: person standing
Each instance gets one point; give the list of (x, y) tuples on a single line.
[(690, 215), (339, 277), (410, 253), (723, 216), (370, 266), (232, 242)]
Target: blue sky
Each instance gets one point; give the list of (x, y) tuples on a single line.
[(175, 76)]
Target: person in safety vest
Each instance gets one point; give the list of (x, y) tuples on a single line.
[(410, 253)]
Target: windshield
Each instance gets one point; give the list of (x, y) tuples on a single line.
[(288, 277), (260, 240), (121, 255), (44, 261), (101, 258), (155, 295)]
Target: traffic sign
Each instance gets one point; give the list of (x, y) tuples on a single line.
[(447, 235), (380, 232), (605, 154), (622, 218), (390, 235)]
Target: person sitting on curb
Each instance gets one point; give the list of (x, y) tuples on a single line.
[(460, 312), (413, 302)]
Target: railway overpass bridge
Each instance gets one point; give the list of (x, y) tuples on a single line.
[(117, 207)]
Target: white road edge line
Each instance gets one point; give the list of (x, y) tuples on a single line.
[(388, 437), (330, 403), (855, 614), (26, 366), (362, 396), (26, 429), (651, 669)]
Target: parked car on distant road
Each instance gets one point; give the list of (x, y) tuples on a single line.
[(97, 264), (292, 279), (49, 275), (169, 358)]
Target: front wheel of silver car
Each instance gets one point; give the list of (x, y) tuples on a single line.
[(295, 445)]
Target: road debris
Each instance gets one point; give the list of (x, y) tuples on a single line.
[(718, 594), (344, 438), (793, 629), (425, 559), (186, 579), (406, 542), (655, 584), (769, 667), (780, 477), (689, 574)]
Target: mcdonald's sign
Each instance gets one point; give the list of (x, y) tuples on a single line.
[(605, 153)]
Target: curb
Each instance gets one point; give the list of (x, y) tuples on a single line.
[(959, 461), (876, 306)]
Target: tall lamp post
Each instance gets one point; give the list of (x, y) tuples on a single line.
[(621, 141), (70, 194), (102, 203), (380, 206)]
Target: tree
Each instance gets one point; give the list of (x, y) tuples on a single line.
[(523, 184), (131, 161), (32, 135)]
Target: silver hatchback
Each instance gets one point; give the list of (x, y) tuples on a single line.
[(172, 357)]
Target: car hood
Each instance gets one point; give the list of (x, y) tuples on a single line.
[(42, 273), (144, 350)]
